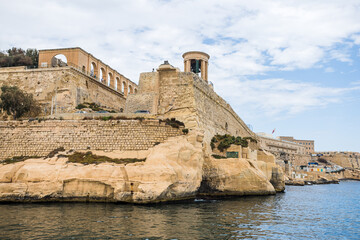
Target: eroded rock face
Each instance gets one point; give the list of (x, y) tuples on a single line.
[(273, 173), (172, 171), (234, 177)]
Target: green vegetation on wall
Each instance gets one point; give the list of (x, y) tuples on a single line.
[(89, 158), (223, 142)]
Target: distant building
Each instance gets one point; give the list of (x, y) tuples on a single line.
[(289, 153), (308, 144)]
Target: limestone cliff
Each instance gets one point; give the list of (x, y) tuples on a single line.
[(173, 170)]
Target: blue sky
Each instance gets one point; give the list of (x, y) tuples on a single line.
[(284, 64)]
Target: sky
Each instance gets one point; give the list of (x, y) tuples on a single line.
[(287, 65)]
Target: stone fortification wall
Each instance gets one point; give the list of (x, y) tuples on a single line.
[(147, 96), (176, 93), (143, 102), (215, 114), (23, 138), (68, 86), (188, 98)]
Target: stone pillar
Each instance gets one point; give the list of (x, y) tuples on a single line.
[(203, 70), (206, 71), (187, 66)]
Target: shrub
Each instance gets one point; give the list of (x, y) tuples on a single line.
[(19, 57), (80, 106), (95, 107), (174, 123), (17, 159), (18, 103), (218, 156), (55, 151), (89, 158), (251, 139), (225, 141), (185, 131), (107, 118)]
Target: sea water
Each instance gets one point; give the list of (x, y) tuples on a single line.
[(307, 212)]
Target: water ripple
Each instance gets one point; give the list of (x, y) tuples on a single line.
[(309, 212)]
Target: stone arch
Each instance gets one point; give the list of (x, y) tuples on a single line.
[(93, 70), (123, 88), (109, 81), (59, 60), (83, 69), (117, 83), (135, 90), (130, 90), (102, 75)]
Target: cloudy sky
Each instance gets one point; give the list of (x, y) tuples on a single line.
[(285, 64)]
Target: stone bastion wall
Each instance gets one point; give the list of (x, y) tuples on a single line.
[(66, 87), (23, 138), (190, 99), (215, 114)]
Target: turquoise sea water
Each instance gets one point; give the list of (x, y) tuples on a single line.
[(309, 212)]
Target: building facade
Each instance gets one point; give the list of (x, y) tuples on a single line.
[(88, 64), (308, 144)]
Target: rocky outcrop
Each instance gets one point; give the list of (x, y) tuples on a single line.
[(173, 170), (274, 174), (349, 174), (319, 180), (232, 176)]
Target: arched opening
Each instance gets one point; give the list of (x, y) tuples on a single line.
[(135, 90), (93, 70), (123, 87), (195, 66), (59, 61), (130, 89), (226, 126), (109, 79), (117, 81), (83, 69), (102, 75)]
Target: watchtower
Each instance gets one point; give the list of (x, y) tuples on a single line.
[(196, 62)]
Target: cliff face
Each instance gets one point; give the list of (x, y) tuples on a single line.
[(223, 177), (173, 170)]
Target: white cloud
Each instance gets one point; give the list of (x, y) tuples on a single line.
[(329, 70), (280, 97), (247, 37), (242, 37)]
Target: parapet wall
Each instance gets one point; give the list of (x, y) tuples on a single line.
[(23, 138), (66, 87)]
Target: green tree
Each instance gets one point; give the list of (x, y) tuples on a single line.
[(19, 57), (34, 55), (18, 103)]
